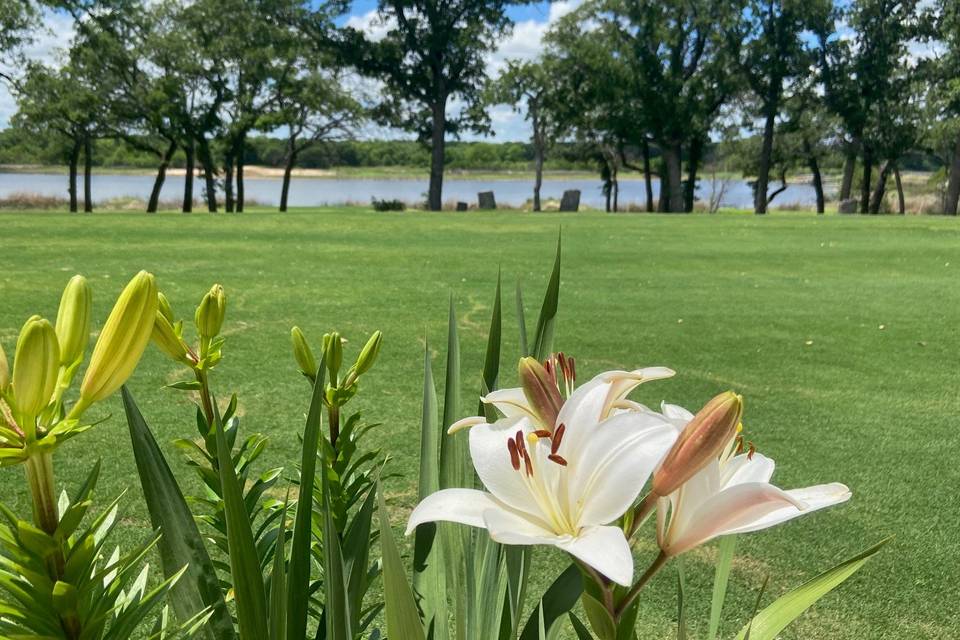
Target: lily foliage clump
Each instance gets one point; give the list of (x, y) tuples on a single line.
[(309, 551)]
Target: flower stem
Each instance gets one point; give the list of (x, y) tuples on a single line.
[(334, 414), (39, 469), (641, 583), (642, 512)]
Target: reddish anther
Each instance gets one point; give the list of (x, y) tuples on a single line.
[(558, 459), (557, 438), (521, 447), (514, 454), (542, 433)]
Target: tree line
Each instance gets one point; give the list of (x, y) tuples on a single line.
[(648, 86)]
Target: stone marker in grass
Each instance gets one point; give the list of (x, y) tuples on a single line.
[(485, 200), (570, 200)]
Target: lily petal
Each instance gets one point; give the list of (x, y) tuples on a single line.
[(465, 506), (737, 508), (816, 497), (512, 403), (609, 472), (512, 527), (491, 459), (744, 468), (605, 549)]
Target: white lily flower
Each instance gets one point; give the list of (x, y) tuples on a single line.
[(560, 484), (732, 494)]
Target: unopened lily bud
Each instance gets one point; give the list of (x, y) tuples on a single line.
[(164, 308), (122, 340), (210, 313), (73, 320), (167, 338), (369, 353), (541, 391), (35, 366), (4, 371), (701, 441), (334, 354), (302, 353)]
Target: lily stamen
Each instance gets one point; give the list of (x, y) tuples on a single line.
[(557, 438), (514, 454), (558, 459)]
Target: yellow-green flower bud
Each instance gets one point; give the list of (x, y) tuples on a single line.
[(541, 391), (369, 353), (164, 308), (35, 366), (73, 320), (302, 353), (4, 371), (702, 440), (210, 313), (122, 340), (334, 355), (167, 338)]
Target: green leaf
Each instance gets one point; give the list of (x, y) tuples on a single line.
[(336, 608), (198, 589), (522, 322), (278, 580), (403, 621), (298, 578), (248, 586), (728, 545), (557, 600), (429, 567), (543, 344), (600, 620), (767, 624), (579, 628), (491, 360)]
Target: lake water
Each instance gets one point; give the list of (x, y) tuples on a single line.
[(320, 191)]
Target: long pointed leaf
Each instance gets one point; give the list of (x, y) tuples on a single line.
[(278, 581), (767, 624), (546, 323), (429, 567), (183, 545), (403, 621), (298, 578), (248, 587), (559, 598), (336, 609), (728, 545)]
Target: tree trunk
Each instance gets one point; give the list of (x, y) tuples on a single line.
[(814, 165), (865, 187), (72, 183), (87, 174), (615, 188), (437, 155), (901, 202), (671, 156), (538, 179), (849, 165), (210, 186), (763, 174), (647, 181), (693, 165), (190, 151), (880, 190), (228, 180), (953, 183), (241, 150), (288, 171), (154, 203)]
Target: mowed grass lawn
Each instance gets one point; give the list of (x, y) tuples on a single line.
[(841, 332)]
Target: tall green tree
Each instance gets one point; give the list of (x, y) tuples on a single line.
[(531, 86), (946, 86), (774, 56), (434, 52), (681, 54), (17, 18)]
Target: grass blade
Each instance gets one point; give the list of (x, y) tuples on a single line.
[(198, 588), (429, 567), (491, 360), (681, 609), (248, 584), (546, 323), (728, 545), (298, 580), (403, 621), (767, 624)]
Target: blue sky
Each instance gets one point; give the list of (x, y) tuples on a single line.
[(531, 22)]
